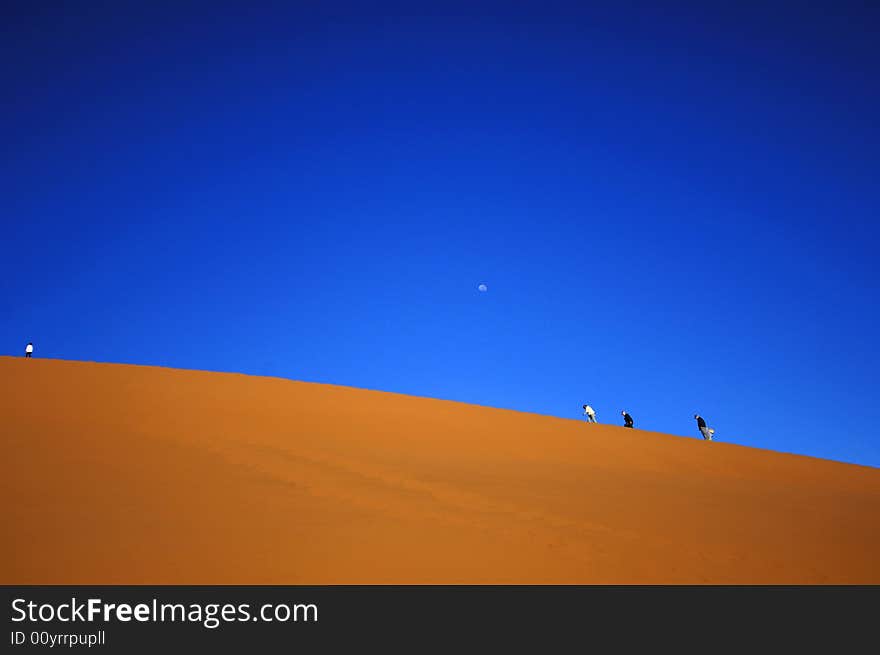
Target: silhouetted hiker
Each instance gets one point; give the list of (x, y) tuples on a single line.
[(627, 419), (707, 432), (590, 413), (29, 349)]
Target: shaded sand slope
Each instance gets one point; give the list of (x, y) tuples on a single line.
[(126, 474)]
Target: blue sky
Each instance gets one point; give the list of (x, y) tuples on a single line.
[(675, 209)]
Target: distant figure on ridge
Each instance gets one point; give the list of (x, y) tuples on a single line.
[(29, 349), (707, 432), (590, 413), (627, 419)]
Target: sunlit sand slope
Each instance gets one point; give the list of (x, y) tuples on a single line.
[(117, 474)]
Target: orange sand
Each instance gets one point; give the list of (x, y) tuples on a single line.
[(138, 475)]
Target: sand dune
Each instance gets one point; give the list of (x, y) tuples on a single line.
[(118, 474)]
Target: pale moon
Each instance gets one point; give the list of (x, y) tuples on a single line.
[(482, 287)]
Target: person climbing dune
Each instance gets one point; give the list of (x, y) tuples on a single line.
[(706, 431), (590, 413), (627, 419)]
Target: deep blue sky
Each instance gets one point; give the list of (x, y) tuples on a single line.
[(675, 209)]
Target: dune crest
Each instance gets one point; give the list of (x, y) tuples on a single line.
[(116, 474)]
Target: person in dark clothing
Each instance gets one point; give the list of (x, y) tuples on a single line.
[(704, 429), (627, 419)]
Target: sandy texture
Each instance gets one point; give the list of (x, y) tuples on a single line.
[(118, 474)]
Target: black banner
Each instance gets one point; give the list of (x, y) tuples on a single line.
[(401, 618)]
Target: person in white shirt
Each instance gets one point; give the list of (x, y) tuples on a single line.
[(29, 349), (590, 413)]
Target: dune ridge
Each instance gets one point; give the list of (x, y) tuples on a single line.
[(120, 474)]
